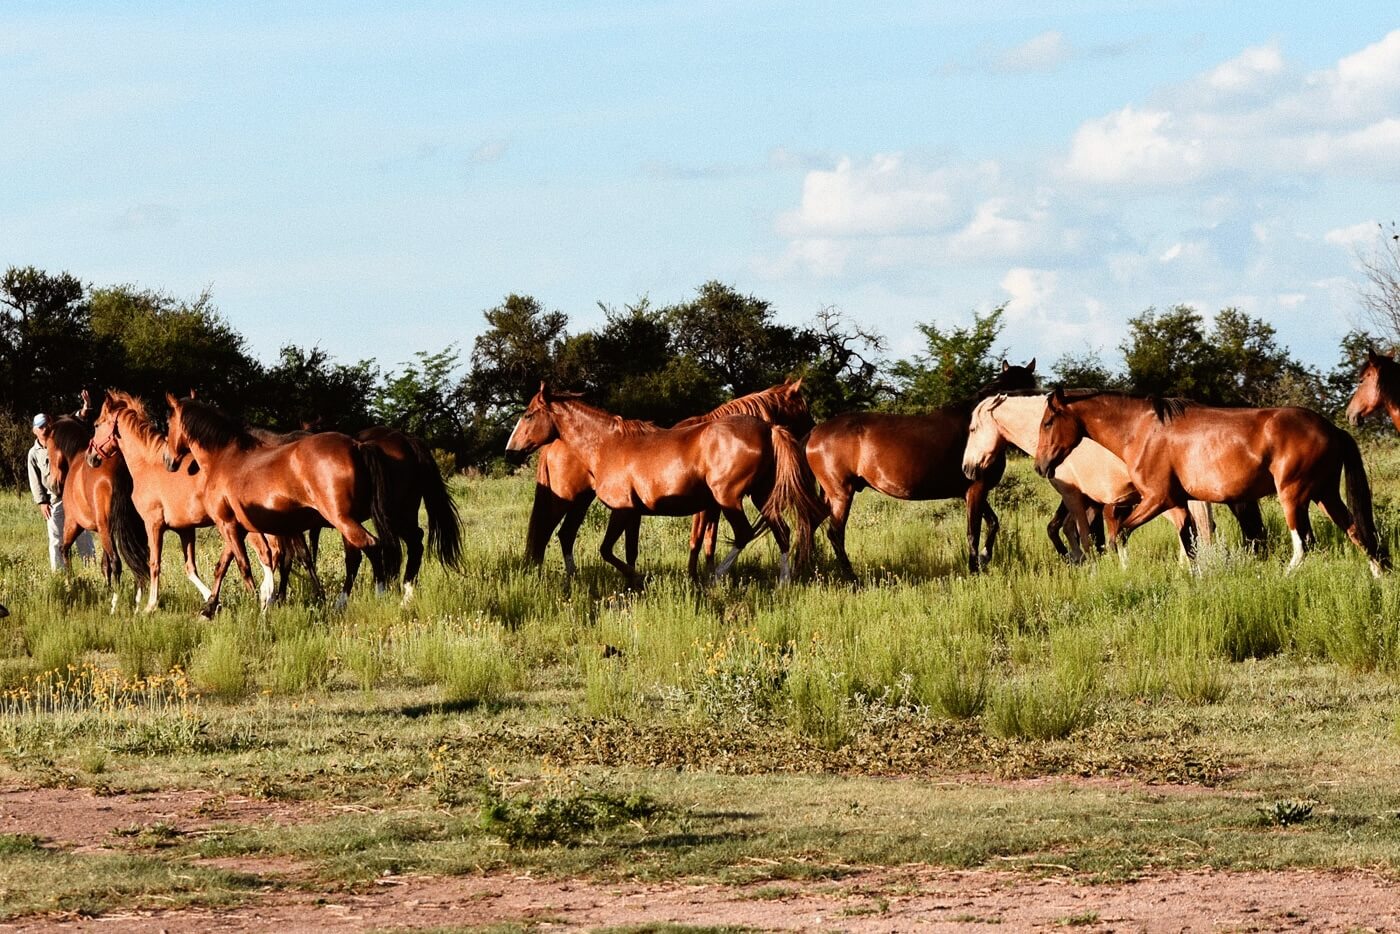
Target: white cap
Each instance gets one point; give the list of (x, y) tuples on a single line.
[(41, 420)]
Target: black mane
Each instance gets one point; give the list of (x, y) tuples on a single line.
[(205, 425), (71, 434)]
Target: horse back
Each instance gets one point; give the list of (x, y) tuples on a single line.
[(904, 456)]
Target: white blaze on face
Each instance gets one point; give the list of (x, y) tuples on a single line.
[(510, 444)]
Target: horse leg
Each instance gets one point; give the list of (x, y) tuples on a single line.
[(1053, 527), (268, 559), (1185, 531), (989, 538), (976, 498), (618, 523), (412, 538), (840, 499), (1337, 511), (568, 532), (743, 534), (353, 557), (697, 540), (234, 536), (191, 570), (1251, 522), (1295, 513), (711, 539)]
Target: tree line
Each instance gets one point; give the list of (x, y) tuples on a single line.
[(59, 335)]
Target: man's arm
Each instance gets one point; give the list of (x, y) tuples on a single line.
[(36, 482)]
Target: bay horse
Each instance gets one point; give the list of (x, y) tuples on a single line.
[(97, 499), (564, 490), (1177, 450), (1379, 388), (268, 490), (638, 469), (1091, 481), (911, 457), (414, 479)]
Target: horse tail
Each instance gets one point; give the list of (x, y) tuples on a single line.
[(1359, 498), (444, 522), (381, 508), (793, 486), (128, 528)]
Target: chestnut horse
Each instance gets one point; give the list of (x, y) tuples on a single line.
[(1090, 480), (164, 500), (269, 490), (564, 491), (97, 499), (914, 457), (1379, 388), (1177, 450), (640, 469)]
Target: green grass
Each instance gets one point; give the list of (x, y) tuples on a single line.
[(761, 725)]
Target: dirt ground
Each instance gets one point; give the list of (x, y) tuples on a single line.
[(904, 898)]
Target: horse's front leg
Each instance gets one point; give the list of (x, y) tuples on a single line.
[(618, 523), (234, 536)]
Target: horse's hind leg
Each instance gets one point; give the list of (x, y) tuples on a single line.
[(840, 499), (412, 538), (568, 533), (976, 507), (1338, 512), (353, 557), (1053, 527), (1295, 513), (1251, 522), (186, 537), (702, 535), (743, 534)]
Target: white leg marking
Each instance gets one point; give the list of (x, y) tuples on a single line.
[(265, 592), (199, 585), (114, 603), (1297, 551), (407, 594)]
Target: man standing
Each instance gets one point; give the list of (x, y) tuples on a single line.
[(50, 501)]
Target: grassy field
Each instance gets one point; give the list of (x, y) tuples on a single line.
[(1096, 721)]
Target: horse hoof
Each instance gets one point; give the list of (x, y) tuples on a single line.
[(209, 609)]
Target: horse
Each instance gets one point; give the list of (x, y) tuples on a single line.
[(564, 490), (1379, 388), (1177, 450), (251, 487), (1090, 481), (164, 500), (912, 457), (415, 480), (97, 499), (641, 469)]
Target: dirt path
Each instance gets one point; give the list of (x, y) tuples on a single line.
[(899, 900), (875, 900)]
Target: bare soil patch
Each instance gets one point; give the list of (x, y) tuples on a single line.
[(884, 900)]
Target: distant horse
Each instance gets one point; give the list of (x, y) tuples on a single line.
[(163, 499), (564, 491), (414, 479), (97, 499), (1379, 388), (1090, 479), (1177, 450), (640, 469), (916, 457), (268, 490)]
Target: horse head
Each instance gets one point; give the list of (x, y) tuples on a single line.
[(177, 442), (985, 442), (1060, 430), (1011, 378), (534, 430), (58, 463), (106, 434), (1377, 384)]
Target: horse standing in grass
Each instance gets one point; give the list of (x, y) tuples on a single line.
[(97, 498), (163, 499), (269, 490), (916, 457), (1177, 450), (564, 489), (1091, 479), (1379, 389), (640, 469)]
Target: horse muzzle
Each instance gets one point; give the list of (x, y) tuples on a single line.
[(94, 459), (516, 458), (172, 464)]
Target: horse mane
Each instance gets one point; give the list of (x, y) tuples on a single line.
[(142, 420), (1165, 408), (764, 405), (627, 427), (206, 425), (71, 434)]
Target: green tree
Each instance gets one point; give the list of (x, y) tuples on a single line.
[(521, 346), (959, 362), (1085, 370), (736, 339), (845, 371), (46, 345), (1168, 354), (306, 389), (425, 399)]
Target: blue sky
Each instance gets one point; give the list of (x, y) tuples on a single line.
[(369, 177)]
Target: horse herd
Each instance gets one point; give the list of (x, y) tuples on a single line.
[(1117, 461)]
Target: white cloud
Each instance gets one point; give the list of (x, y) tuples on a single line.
[(1136, 146), (1349, 237), (1247, 69), (1042, 53), (884, 196)]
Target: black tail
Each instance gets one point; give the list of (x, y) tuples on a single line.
[(128, 528), (444, 523), (381, 507), (1359, 499)]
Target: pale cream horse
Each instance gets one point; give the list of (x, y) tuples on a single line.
[(1090, 477)]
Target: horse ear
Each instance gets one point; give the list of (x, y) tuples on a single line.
[(1031, 366), (795, 386), (1004, 365), (1057, 399), (171, 400), (192, 393), (1371, 355)]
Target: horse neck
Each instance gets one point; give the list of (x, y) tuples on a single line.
[(138, 448), (1113, 421), (583, 428), (1386, 382), (1019, 422)]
